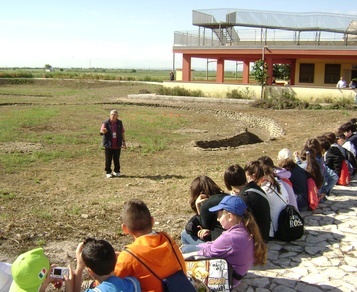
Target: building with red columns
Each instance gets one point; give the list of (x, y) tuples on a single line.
[(320, 47)]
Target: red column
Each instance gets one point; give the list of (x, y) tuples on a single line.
[(220, 71), (292, 72), (245, 79), (186, 68)]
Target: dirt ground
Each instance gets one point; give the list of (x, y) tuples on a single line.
[(162, 180)]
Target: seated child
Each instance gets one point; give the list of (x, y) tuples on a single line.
[(99, 257), (253, 196), (31, 271), (5, 276), (156, 249), (241, 244)]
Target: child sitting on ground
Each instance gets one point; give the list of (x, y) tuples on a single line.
[(99, 257), (157, 250), (241, 244), (31, 271)]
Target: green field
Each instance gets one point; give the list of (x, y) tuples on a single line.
[(108, 74)]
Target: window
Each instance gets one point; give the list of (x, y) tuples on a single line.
[(332, 73), (307, 73)]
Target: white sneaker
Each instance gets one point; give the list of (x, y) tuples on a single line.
[(117, 174), (109, 175)]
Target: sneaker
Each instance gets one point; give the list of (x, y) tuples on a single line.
[(109, 175), (117, 174)]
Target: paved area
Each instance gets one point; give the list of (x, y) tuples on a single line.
[(324, 259)]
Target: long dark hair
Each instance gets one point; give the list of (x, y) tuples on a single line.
[(202, 185), (262, 172), (260, 247), (314, 144), (312, 166)]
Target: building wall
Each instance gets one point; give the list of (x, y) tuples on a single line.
[(319, 75), (310, 94)]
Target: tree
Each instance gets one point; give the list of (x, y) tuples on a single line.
[(260, 74), (48, 66), (282, 71)]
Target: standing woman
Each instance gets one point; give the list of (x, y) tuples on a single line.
[(112, 131)]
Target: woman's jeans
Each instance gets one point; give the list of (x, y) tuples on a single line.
[(189, 242)]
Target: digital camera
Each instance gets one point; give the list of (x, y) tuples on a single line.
[(59, 272)]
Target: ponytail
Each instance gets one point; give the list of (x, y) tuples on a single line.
[(260, 247), (312, 166)]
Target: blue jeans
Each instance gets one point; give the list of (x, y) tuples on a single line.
[(331, 179), (189, 242)]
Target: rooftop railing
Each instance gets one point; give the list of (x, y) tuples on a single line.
[(249, 37), (234, 27)]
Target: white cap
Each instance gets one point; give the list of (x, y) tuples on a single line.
[(284, 154)]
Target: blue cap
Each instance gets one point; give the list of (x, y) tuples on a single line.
[(233, 204)]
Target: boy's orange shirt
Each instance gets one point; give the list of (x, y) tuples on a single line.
[(156, 252)]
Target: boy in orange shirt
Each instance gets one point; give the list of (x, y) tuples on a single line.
[(157, 250)]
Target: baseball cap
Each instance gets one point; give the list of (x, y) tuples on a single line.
[(233, 204), (29, 270)]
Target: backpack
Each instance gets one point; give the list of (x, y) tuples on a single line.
[(312, 192), (345, 177), (290, 223), (210, 274), (350, 157), (177, 282)]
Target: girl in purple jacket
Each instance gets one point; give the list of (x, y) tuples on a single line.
[(241, 243)]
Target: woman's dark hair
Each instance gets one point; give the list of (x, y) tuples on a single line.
[(314, 145), (331, 137), (312, 166), (346, 127), (262, 172), (287, 163), (324, 143), (234, 176), (202, 185), (266, 160)]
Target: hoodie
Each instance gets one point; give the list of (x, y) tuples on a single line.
[(157, 253)]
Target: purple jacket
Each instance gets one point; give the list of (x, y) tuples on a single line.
[(234, 245)]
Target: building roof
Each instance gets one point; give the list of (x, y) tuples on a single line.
[(306, 21), (239, 27)]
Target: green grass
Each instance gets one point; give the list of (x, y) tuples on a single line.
[(93, 74), (107, 74), (64, 129), (6, 195)]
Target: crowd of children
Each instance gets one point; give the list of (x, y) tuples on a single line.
[(234, 225)]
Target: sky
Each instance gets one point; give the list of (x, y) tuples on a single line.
[(115, 33)]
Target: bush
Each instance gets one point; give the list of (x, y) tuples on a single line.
[(179, 91), (236, 94), (286, 101)]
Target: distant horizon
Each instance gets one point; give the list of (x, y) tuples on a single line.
[(115, 34), (105, 68)]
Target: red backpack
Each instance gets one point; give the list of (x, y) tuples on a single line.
[(345, 176), (312, 192)]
